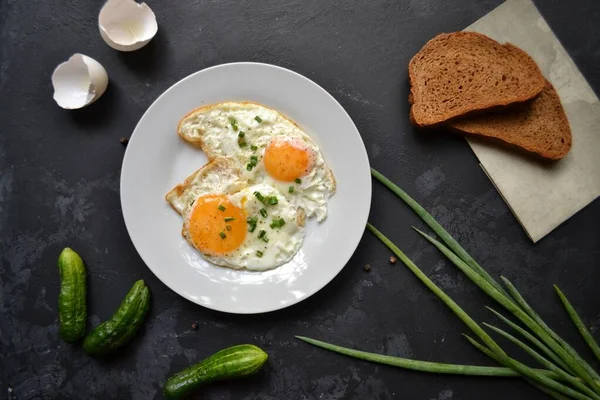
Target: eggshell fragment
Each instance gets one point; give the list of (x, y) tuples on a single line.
[(126, 25), (79, 81)]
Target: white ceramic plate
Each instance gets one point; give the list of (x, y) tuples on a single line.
[(156, 160)]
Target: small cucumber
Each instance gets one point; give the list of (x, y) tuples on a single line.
[(233, 362), (122, 326), (72, 312)]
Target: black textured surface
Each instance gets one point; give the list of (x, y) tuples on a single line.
[(59, 179)]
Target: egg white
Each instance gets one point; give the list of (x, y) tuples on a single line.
[(283, 242), (219, 176)]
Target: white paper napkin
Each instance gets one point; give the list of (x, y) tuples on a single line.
[(542, 196)]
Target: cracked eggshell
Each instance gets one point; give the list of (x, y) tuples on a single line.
[(126, 25), (79, 81)]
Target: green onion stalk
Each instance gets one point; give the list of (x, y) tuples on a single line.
[(565, 374)]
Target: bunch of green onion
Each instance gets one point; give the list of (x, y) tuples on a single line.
[(564, 373)]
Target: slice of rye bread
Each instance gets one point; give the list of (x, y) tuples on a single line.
[(539, 126), (458, 73)]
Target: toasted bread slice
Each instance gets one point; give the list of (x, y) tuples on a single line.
[(539, 126), (458, 73)]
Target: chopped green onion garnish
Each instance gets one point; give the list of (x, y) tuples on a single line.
[(258, 119), (252, 222), (233, 123), (228, 227), (273, 200), (260, 197), (291, 189), (265, 239), (277, 223), (252, 163), (221, 208), (259, 253), (254, 148), (222, 234), (263, 212), (242, 142), (298, 181), (241, 134), (261, 234), (227, 219)]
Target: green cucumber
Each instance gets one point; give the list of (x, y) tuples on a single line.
[(233, 362), (122, 326), (72, 312)]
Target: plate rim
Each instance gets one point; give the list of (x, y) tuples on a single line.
[(275, 307)]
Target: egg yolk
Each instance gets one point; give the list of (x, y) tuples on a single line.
[(208, 225), (287, 160)]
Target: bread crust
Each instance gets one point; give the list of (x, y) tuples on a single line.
[(540, 127)]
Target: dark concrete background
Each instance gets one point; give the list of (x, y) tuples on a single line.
[(59, 180)]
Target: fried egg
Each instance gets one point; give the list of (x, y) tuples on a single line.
[(254, 227), (267, 147)]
